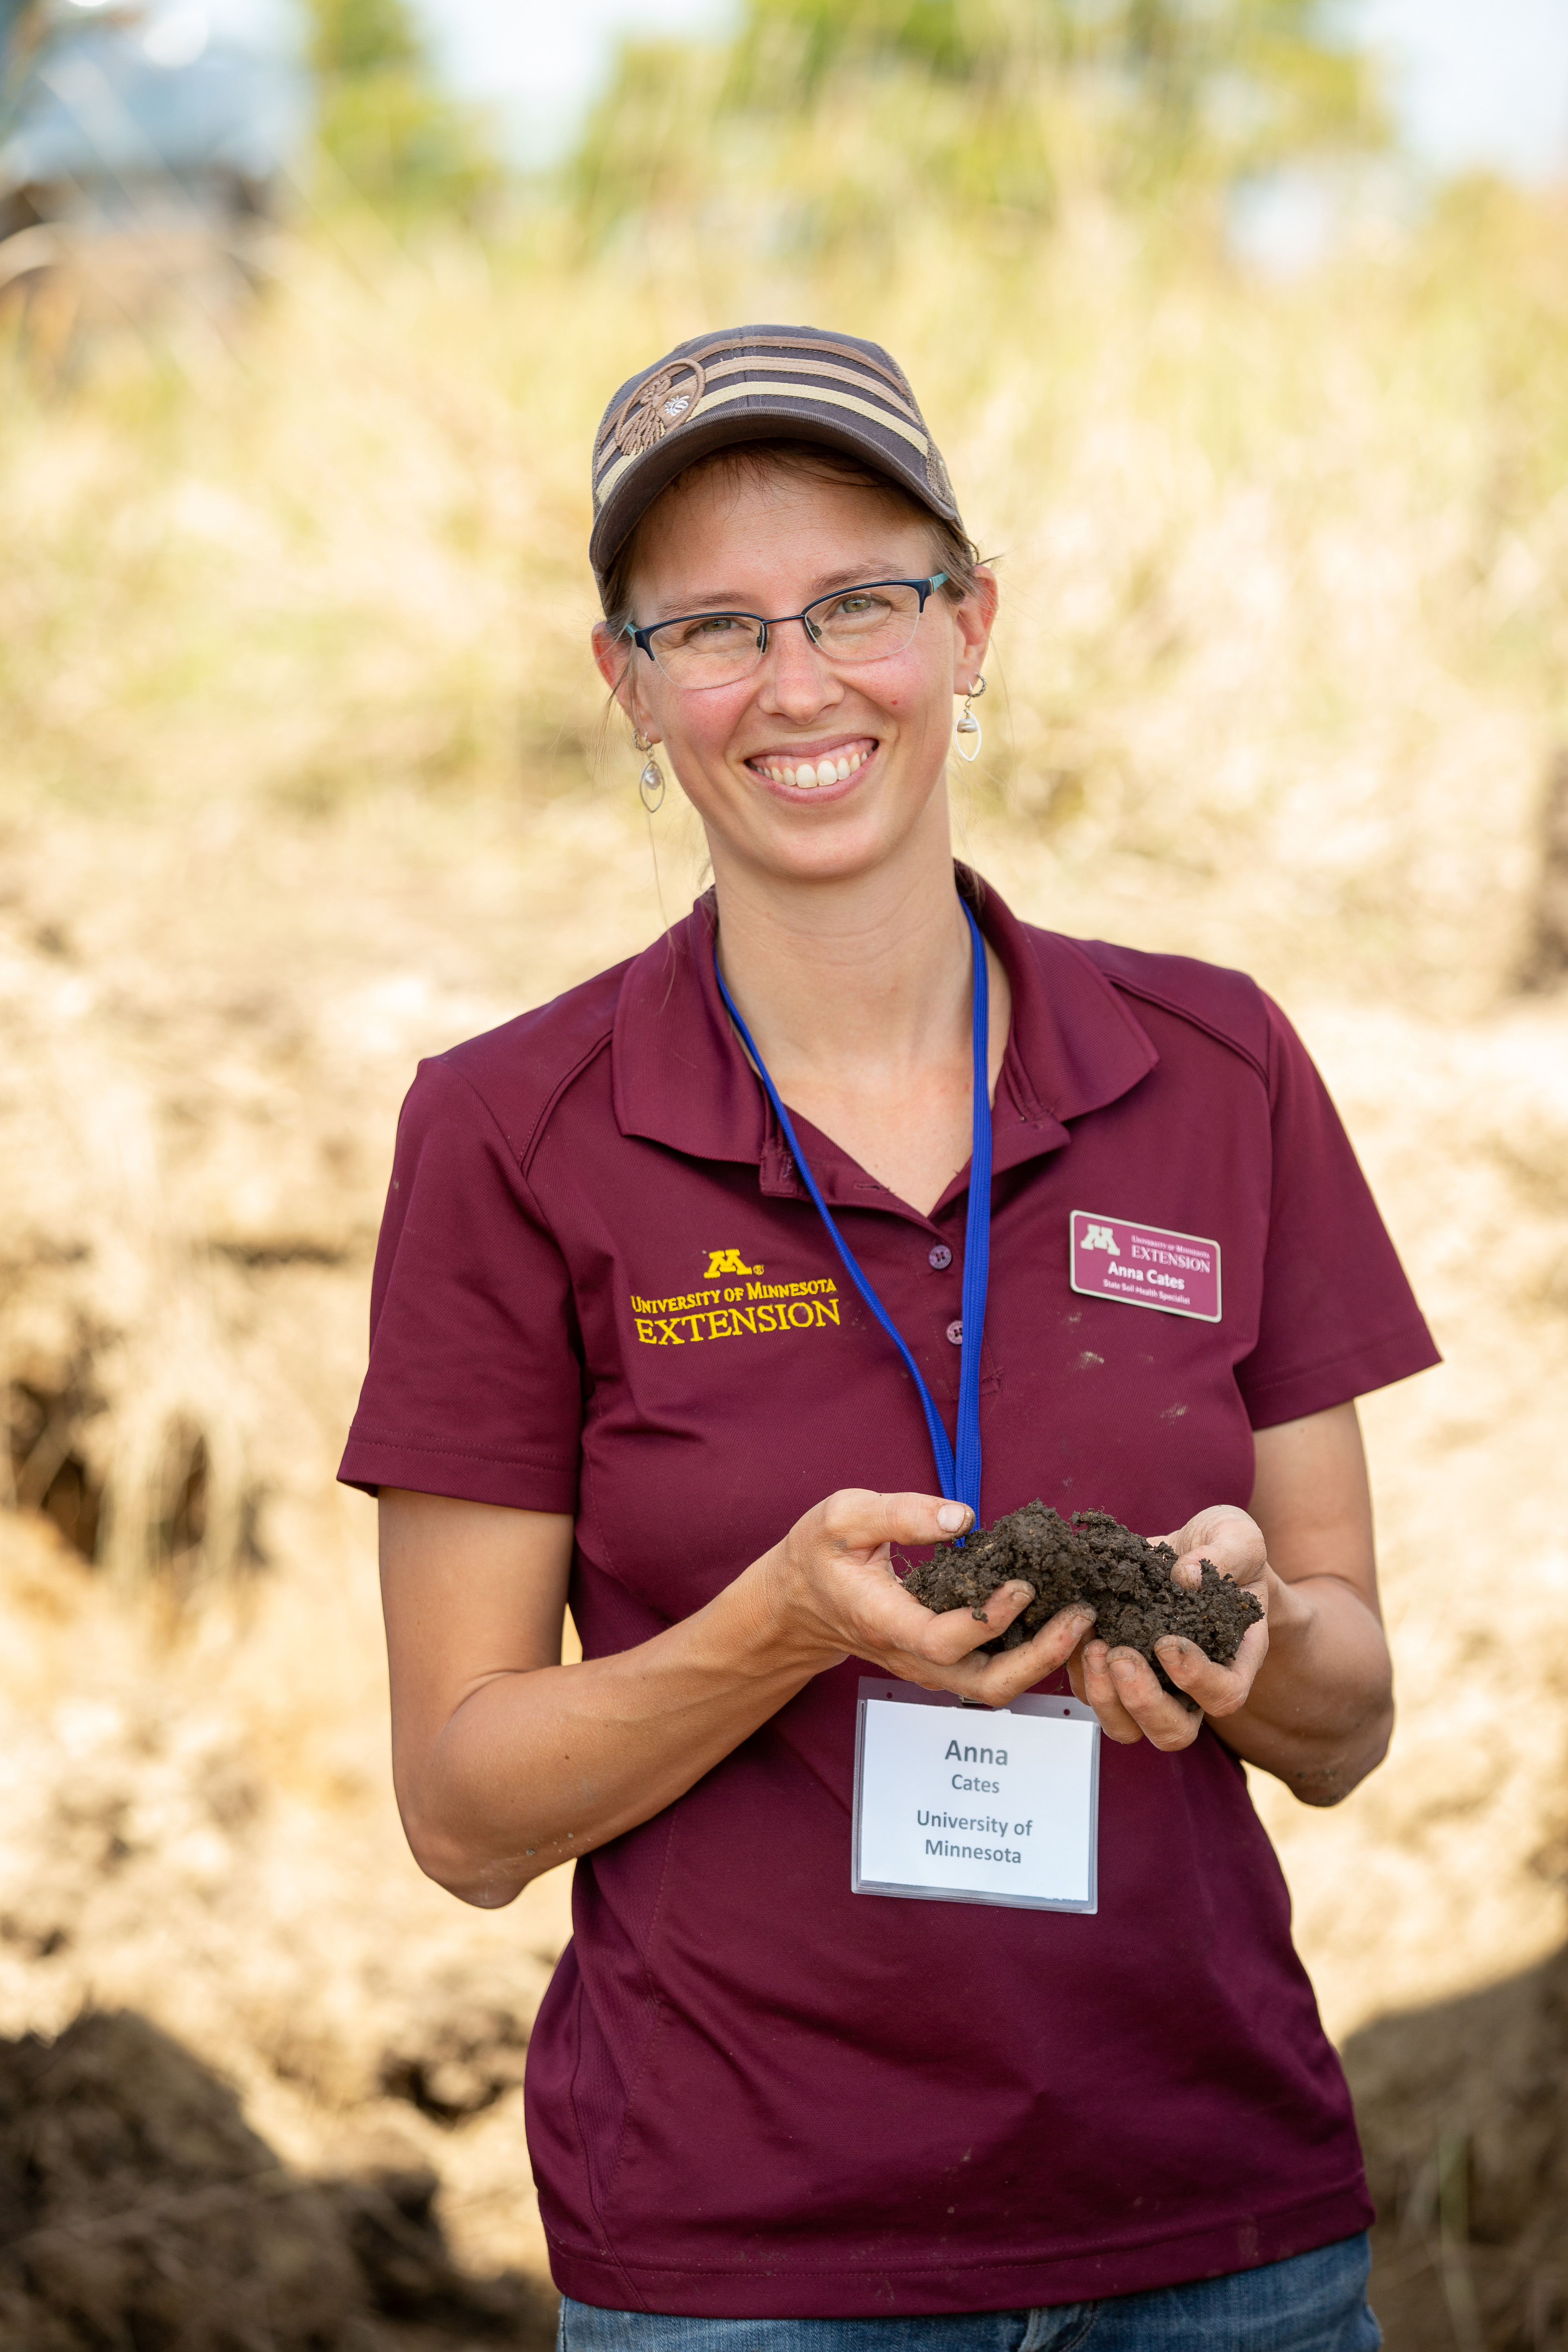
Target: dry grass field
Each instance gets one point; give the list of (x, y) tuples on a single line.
[(300, 782)]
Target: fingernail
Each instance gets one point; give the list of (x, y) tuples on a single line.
[(952, 1517)]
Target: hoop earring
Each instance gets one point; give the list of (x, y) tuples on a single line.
[(968, 723), (650, 784)]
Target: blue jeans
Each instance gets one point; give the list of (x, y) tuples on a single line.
[(1313, 2303)]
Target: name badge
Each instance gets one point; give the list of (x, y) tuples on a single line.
[(1144, 1266), (965, 1804)]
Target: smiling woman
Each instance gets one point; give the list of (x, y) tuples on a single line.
[(981, 1214)]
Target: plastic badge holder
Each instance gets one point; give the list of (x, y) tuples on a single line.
[(968, 1804)]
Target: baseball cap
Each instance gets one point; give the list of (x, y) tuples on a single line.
[(752, 384)]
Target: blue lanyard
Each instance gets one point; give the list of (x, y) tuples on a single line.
[(960, 1481)]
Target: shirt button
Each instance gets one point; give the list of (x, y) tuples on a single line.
[(939, 1256), (955, 1333)]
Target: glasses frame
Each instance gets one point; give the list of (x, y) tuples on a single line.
[(924, 589)]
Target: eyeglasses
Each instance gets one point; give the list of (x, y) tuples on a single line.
[(854, 625)]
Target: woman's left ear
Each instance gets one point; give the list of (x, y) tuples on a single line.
[(973, 622)]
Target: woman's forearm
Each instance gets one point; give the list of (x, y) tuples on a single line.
[(536, 1766), (1321, 1713)]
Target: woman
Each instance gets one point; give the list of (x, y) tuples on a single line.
[(620, 1359)]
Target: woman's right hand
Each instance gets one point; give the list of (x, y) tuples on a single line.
[(831, 1590)]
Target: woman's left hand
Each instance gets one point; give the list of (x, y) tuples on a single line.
[(1123, 1688)]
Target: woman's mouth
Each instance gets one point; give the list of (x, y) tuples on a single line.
[(808, 767)]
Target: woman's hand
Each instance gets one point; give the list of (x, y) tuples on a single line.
[(1309, 1697), (1122, 1686), (834, 1595)]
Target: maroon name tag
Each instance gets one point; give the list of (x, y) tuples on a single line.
[(1144, 1266)]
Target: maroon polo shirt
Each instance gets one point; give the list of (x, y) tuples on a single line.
[(601, 1289)]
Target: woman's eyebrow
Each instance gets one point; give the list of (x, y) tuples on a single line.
[(724, 600), (858, 575), (703, 600)]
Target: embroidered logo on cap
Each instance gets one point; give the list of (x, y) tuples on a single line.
[(666, 400), (1143, 1266)]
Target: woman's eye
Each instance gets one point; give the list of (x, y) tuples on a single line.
[(710, 629), (861, 604)]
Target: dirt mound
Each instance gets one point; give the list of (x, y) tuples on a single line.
[(138, 2208), (1463, 2107), (1093, 1558)]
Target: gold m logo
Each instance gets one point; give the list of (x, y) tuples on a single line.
[(728, 1261)]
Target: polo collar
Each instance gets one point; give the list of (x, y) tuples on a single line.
[(680, 1076)]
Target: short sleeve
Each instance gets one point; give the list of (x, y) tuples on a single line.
[(1337, 1315), (475, 1383)]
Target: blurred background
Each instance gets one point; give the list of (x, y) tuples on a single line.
[(1244, 327)]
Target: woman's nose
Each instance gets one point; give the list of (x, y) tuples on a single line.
[(796, 676)]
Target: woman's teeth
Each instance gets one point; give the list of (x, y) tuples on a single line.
[(806, 777)]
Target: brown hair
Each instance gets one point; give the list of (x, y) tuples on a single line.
[(952, 550)]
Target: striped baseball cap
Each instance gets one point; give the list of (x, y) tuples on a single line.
[(753, 383)]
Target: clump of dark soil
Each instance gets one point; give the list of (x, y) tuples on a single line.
[(1091, 1556), (139, 2212)]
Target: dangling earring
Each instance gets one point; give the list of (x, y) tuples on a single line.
[(968, 723), (650, 784)]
